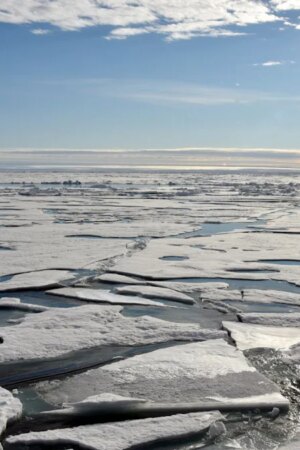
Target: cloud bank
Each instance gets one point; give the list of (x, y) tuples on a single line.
[(171, 158), (175, 19)]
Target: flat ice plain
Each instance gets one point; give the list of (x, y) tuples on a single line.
[(149, 310)]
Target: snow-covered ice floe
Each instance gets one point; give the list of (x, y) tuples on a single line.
[(156, 292), (276, 319), (294, 444), (103, 296), (57, 331), (253, 296), (10, 409), (191, 287), (248, 335), (36, 280), (121, 435), (15, 303), (189, 377), (238, 255), (116, 278)]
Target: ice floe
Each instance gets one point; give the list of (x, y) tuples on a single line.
[(103, 296), (116, 278), (15, 303), (266, 296), (57, 331), (276, 319), (190, 287), (121, 435), (210, 374), (156, 292), (36, 280), (247, 336), (10, 409)]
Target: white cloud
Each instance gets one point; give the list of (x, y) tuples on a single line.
[(40, 31), (286, 5), (176, 19), (274, 63)]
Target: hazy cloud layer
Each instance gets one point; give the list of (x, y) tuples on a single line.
[(176, 158), (176, 19), (162, 92)]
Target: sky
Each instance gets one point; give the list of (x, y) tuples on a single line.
[(150, 74)]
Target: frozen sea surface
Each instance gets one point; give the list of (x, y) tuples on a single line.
[(195, 259)]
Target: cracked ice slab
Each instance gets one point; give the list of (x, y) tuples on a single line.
[(239, 256), (10, 409), (275, 319), (44, 246), (15, 303), (121, 435), (35, 280), (252, 295), (116, 278), (192, 287), (189, 375), (103, 296), (247, 336), (156, 292), (58, 331)]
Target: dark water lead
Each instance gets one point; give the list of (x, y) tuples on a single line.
[(174, 258), (282, 262), (208, 229)]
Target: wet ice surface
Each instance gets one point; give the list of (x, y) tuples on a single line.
[(190, 251)]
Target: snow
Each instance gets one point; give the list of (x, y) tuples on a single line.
[(105, 227), (103, 296), (267, 296), (116, 278), (292, 445), (104, 402), (247, 336), (15, 303), (276, 319), (190, 287), (58, 331), (190, 374), (36, 280), (44, 246), (156, 292), (122, 435), (10, 409), (237, 255)]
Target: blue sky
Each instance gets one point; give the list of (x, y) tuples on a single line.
[(67, 80)]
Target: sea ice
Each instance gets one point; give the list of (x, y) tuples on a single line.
[(36, 280), (58, 331), (156, 292), (247, 336), (121, 435), (189, 375), (10, 409), (275, 319), (15, 303), (103, 296), (116, 278)]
